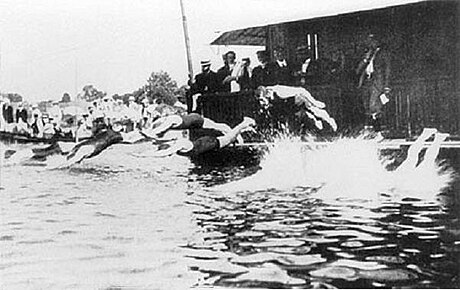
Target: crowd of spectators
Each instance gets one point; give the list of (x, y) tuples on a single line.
[(236, 76), (78, 122), (362, 79)]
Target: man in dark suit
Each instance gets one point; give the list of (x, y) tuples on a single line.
[(282, 70), (206, 81), (224, 74), (21, 113), (8, 111), (262, 75), (373, 85), (302, 69)]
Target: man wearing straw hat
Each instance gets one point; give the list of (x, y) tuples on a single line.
[(206, 81)]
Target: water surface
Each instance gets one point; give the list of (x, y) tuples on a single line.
[(120, 221)]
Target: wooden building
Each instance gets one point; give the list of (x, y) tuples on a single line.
[(423, 40)]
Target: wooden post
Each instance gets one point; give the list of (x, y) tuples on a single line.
[(187, 41), (409, 129)]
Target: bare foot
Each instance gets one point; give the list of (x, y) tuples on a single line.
[(427, 133), (440, 137), (249, 121)]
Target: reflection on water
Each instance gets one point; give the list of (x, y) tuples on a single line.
[(119, 221), (115, 221), (291, 239), (328, 217)]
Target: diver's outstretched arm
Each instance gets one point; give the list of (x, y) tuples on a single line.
[(133, 137), (162, 125), (80, 154), (176, 147)]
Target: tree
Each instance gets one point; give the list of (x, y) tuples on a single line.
[(90, 93), (65, 98), (13, 97), (160, 86)]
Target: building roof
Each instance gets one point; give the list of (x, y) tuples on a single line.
[(256, 36), (248, 36)]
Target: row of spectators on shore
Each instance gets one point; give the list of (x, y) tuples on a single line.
[(29, 120)]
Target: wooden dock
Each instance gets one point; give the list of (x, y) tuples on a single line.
[(385, 144)]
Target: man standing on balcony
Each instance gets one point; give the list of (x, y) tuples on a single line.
[(282, 71), (374, 74), (262, 75), (224, 74), (206, 81)]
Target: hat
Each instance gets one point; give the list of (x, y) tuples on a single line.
[(55, 102), (132, 98), (145, 100), (34, 106), (205, 62)]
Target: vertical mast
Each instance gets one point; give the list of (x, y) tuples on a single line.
[(187, 41)]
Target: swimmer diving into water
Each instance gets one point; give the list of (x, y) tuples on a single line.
[(182, 122), (85, 149), (204, 144)]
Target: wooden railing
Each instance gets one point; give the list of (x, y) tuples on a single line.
[(229, 108), (424, 103), (413, 105)]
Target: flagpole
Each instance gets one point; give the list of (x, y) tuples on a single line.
[(187, 41)]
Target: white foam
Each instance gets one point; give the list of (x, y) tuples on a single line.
[(346, 167)]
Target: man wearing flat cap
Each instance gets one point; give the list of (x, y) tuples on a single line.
[(206, 81)]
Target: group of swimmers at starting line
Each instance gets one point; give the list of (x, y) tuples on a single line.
[(177, 143), (181, 145)]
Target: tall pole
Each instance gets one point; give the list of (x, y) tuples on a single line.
[(75, 81), (1, 83), (187, 41)]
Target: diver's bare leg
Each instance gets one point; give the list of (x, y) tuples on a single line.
[(415, 149), (224, 128), (210, 124), (231, 136), (433, 151)]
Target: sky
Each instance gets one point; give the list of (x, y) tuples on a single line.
[(49, 47)]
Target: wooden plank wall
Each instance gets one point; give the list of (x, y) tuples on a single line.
[(424, 42)]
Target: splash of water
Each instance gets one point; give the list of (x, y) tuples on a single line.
[(345, 167)]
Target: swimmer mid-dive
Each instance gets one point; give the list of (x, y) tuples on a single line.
[(183, 122), (203, 144), (85, 149)]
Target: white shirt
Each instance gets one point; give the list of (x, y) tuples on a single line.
[(281, 63), (305, 65)]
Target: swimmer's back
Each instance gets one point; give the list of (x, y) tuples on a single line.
[(202, 145), (100, 141), (191, 121)]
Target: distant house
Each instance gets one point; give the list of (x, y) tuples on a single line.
[(423, 39)]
